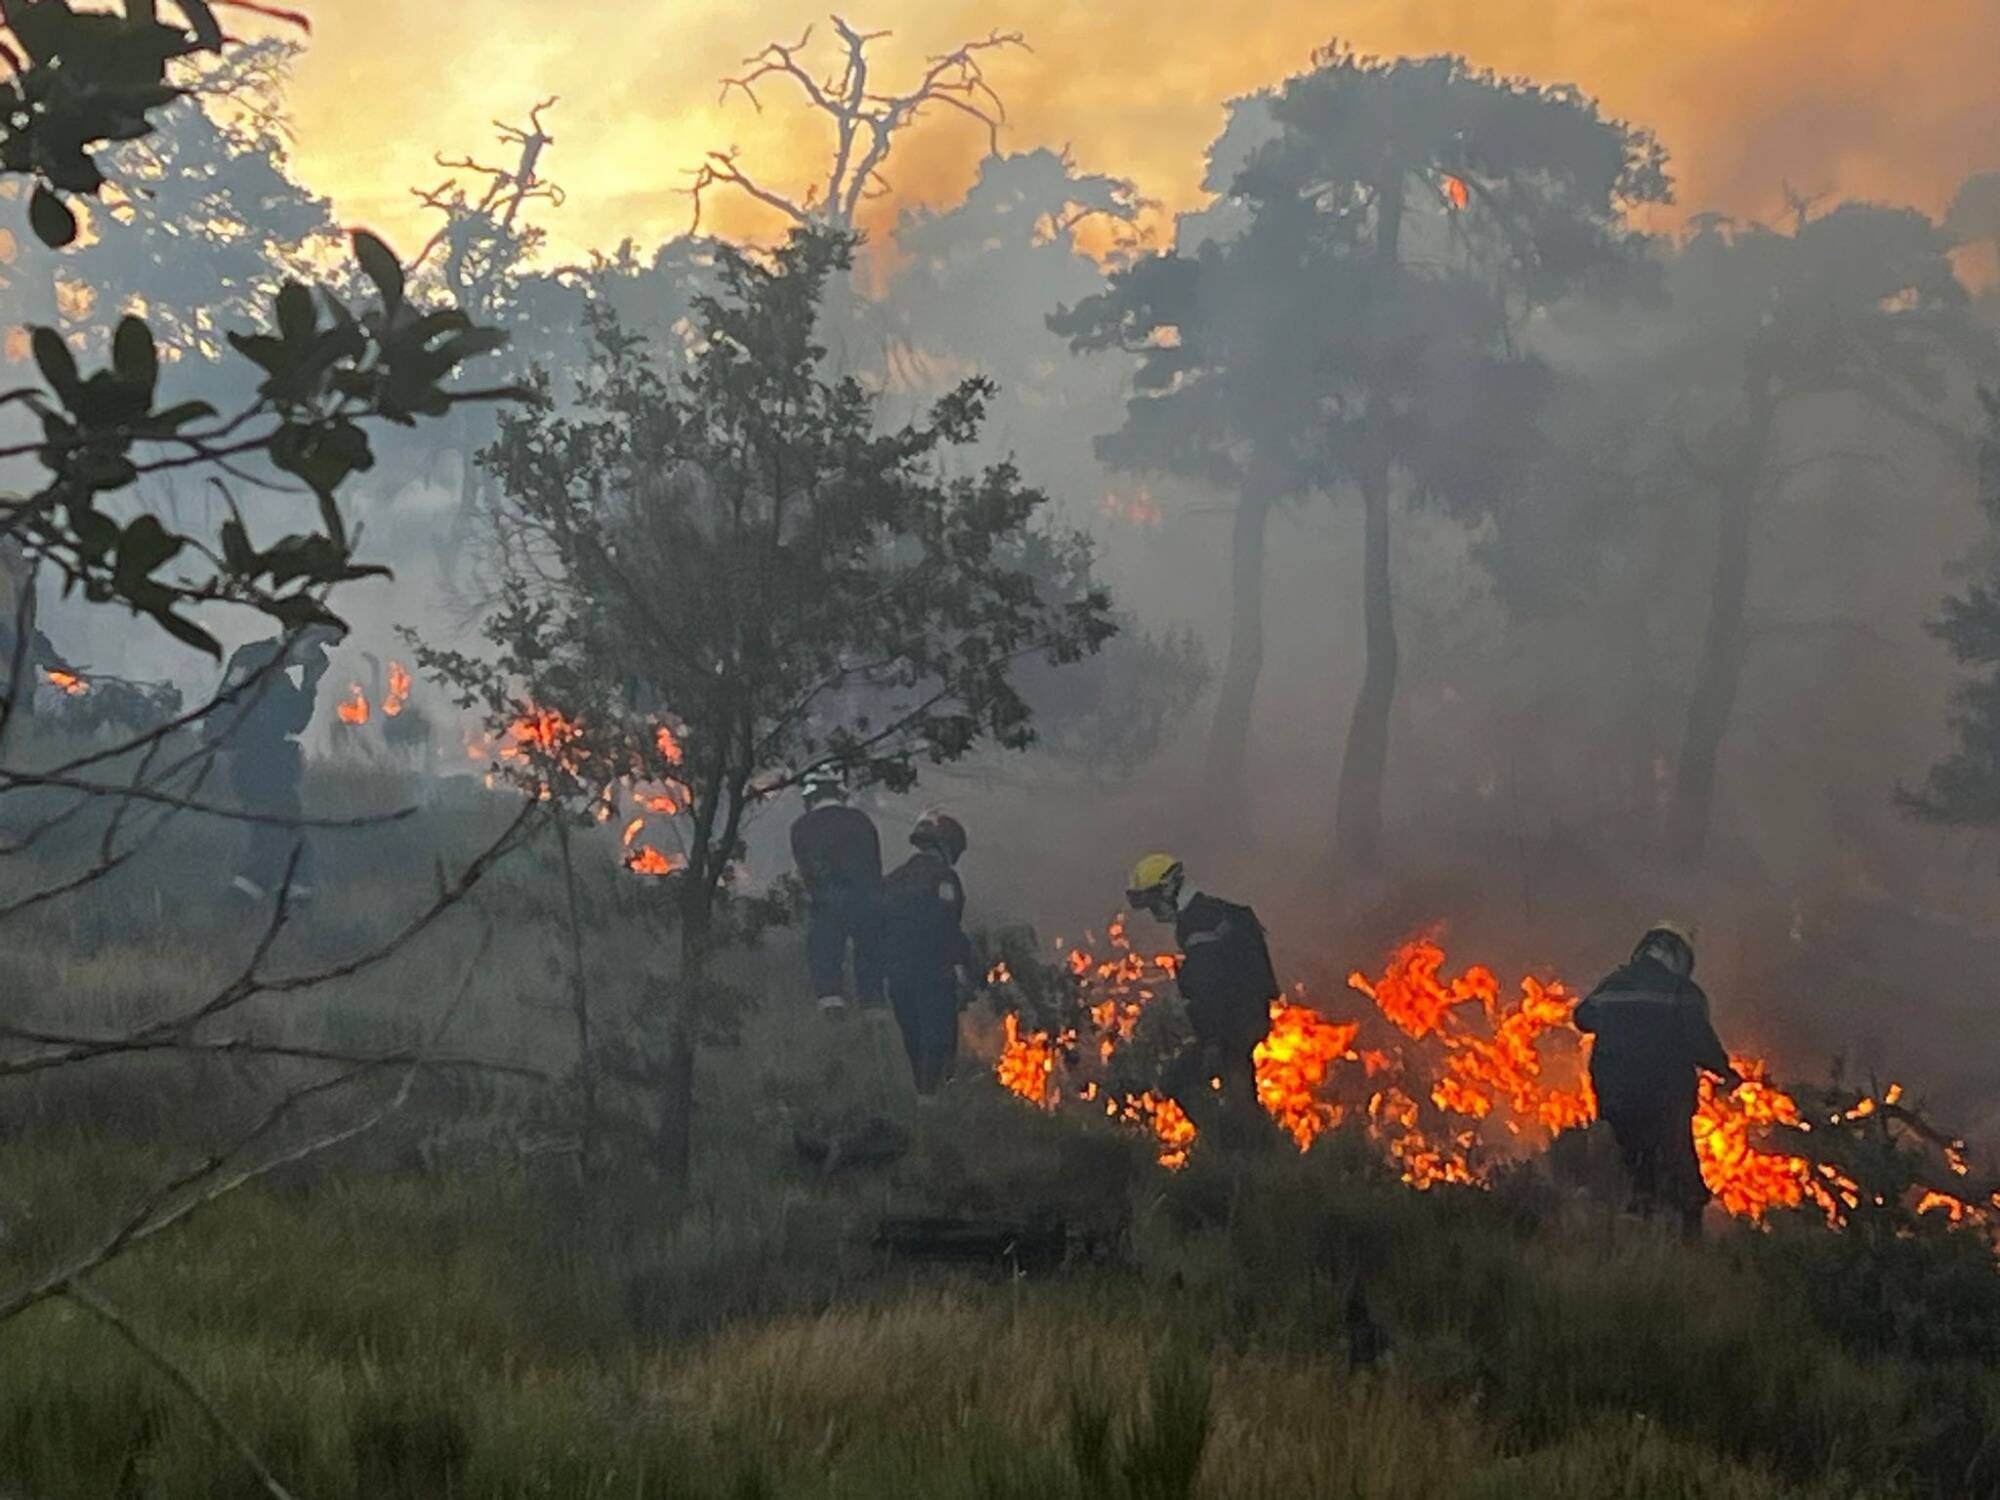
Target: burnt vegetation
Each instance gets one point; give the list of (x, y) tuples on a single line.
[(1415, 533)]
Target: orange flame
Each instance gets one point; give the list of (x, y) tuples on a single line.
[(353, 708), (1293, 1062), (399, 690), (71, 683), (1027, 1063), (1458, 1080), (1456, 193), (646, 860)]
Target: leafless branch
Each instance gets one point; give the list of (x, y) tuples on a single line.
[(721, 169), (87, 1299), (865, 119), (72, 1049), (11, 781), (203, 1184), (77, 1049)]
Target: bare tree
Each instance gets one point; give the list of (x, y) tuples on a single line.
[(865, 119)]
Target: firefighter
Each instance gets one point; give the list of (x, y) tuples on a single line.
[(269, 690), (1226, 978), (1653, 1040), (926, 954), (17, 616), (839, 858)]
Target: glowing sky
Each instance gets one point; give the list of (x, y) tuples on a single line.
[(1848, 97)]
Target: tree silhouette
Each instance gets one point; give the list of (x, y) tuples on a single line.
[(1860, 303), (1360, 331), (1963, 789)]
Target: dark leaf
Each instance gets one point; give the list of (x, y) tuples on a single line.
[(379, 265), (144, 547), (58, 365), (54, 224), (181, 628), (237, 553), (297, 321), (134, 357)]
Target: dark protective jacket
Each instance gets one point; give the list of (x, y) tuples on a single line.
[(266, 711), (837, 847), (1226, 975), (923, 911), (1653, 1033)]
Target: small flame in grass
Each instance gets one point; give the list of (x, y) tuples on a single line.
[(1456, 193), (1172, 1130), (1027, 1064), (71, 683), (399, 690), (646, 860), (353, 708)]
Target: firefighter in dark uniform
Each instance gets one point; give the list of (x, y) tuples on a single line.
[(1225, 977), (269, 690), (1653, 1040), (17, 620), (839, 859), (926, 955)]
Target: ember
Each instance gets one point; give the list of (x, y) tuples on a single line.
[(70, 682)]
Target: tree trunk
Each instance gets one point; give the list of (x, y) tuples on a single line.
[(1357, 829), (579, 994), (674, 1146), (1714, 699), (1229, 736)]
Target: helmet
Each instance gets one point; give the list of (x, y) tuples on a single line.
[(942, 832), (1156, 880), (823, 784), (1671, 943)]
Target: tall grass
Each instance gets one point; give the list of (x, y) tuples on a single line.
[(443, 1312)]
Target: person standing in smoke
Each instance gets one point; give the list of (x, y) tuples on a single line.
[(839, 858), (1227, 980), (269, 691), (1653, 1041), (926, 953), (18, 634)]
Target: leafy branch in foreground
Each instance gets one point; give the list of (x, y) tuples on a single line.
[(328, 371), (82, 80)]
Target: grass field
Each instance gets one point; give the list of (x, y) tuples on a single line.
[(439, 1309)]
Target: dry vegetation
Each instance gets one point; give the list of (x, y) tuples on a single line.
[(440, 1310)]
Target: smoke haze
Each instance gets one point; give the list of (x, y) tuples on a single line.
[(1835, 97)]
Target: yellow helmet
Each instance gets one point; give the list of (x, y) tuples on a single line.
[(1154, 874)]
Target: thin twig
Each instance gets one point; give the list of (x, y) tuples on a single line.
[(87, 1299)]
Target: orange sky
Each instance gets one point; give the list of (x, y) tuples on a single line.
[(1848, 97)]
